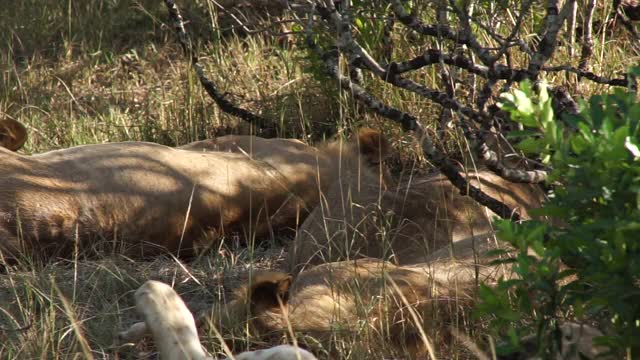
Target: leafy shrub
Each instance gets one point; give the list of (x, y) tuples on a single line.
[(587, 263)]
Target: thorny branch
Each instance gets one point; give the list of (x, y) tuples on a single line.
[(331, 59), (353, 50), (622, 15), (462, 38), (477, 117), (409, 122)]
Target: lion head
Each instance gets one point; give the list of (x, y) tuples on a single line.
[(367, 298)]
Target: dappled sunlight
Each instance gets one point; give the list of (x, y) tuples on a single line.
[(143, 191)]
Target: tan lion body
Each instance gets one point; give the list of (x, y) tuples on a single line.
[(374, 299), (168, 320), (310, 171), (141, 193), (342, 296), (404, 224), (138, 192)]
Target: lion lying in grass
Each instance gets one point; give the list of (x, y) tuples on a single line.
[(368, 298), (334, 300), (370, 219), (153, 198), (399, 311), (312, 172), (404, 224), (329, 299)]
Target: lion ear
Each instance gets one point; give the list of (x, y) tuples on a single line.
[(373, 145), (270, 288), (12, 134)]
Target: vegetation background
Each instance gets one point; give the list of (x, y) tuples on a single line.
[(91, 71)]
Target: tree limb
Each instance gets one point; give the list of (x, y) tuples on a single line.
[(410, 122), (265, 127), (439, 30), (548, 34)]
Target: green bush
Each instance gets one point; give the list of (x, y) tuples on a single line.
[(587, 264)]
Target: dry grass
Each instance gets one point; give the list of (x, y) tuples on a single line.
[(78, 72), (69, 307)]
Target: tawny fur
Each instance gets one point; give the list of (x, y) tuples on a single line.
[(344, 297), (169, 321), (141, 193), (312, 172), (341, 297), (404, 224), (280, 352)]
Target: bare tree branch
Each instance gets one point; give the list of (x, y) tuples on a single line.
[(485, 93), (410, 122), (433, 56), (562, 101), (620, 9), (524, 10), (265, 127), (500, 72), (330, 58), (445, 31), (588, 75), (349, 44), (492, 161), (490, 62), (548, 34), (587, 36)]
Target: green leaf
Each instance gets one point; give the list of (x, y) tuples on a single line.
[(359, 23), (520, 106), (594, 229), (538, 248), (548, 123), (527, 120), (543, 96), (408, 6), (526, 88), (523, 103), (586, 132), (522, 133), (620, 135), (578, 144), (507, 314), (532, 146), (596, 111)]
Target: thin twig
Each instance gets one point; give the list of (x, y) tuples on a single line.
[(461, 38), (410, 122)]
